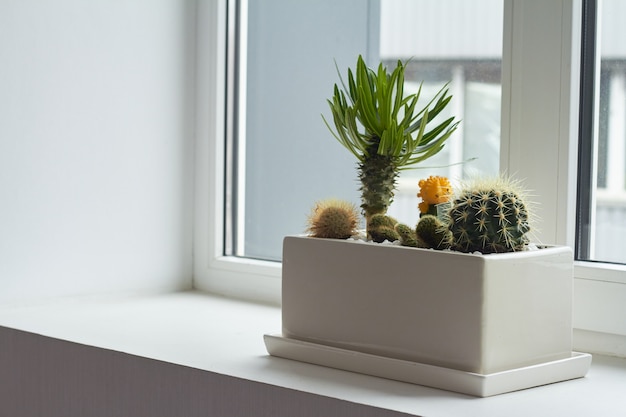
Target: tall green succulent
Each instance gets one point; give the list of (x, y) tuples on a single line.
[(384, 130)]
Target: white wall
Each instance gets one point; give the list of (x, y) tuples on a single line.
[(96, 146)]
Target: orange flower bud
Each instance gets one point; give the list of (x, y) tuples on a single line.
[(434, 190)]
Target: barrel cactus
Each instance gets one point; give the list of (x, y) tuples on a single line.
[(489, 216)]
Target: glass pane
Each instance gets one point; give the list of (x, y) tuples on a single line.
[(469, 58), (290, 159), (609, 211)]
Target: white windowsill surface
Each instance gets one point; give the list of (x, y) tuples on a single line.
[(225, 336)]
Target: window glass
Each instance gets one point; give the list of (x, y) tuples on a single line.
[(285, 154), (287, 158), (469, 58), (605, 203)]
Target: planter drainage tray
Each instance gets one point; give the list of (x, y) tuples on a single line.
[(469, 383)]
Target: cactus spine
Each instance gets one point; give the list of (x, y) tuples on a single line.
[(489, 217)]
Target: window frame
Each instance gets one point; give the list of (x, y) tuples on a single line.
[(599, 289)]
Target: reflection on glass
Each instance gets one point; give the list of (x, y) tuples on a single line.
[(610, 197), (288, 159), (469, 58)]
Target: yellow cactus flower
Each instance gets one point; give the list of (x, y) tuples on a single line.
[(433, 190), (423, 206)]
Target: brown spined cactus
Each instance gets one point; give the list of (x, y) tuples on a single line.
[(333, 219)]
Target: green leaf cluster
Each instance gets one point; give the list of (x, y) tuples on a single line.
[(371, 113)]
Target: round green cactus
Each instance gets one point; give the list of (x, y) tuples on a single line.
[(489, 217)]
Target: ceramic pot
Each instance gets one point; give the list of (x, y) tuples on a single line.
[(468, 312)]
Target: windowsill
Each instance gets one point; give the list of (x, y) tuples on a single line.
[(225, 336)]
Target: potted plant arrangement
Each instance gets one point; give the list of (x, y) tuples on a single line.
[(459, 301)]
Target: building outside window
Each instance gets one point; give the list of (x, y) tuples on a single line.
[(282, 142), (280, 129), (608, 203)]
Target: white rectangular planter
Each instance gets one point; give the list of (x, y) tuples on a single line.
[(473, 313)]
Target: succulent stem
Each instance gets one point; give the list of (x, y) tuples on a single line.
[(378, 175)]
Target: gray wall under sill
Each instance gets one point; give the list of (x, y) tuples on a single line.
[(46, 377)]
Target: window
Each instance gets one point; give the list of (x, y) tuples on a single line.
[(469, 58), (538, 138), (286, 73), (283, 163), (602, 186)]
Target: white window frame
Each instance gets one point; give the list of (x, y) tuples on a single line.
[(540, 72)]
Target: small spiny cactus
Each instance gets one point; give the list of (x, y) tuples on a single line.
[(333, 219), (433, 232), (489, 216), (382, 227), (407, 235)]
